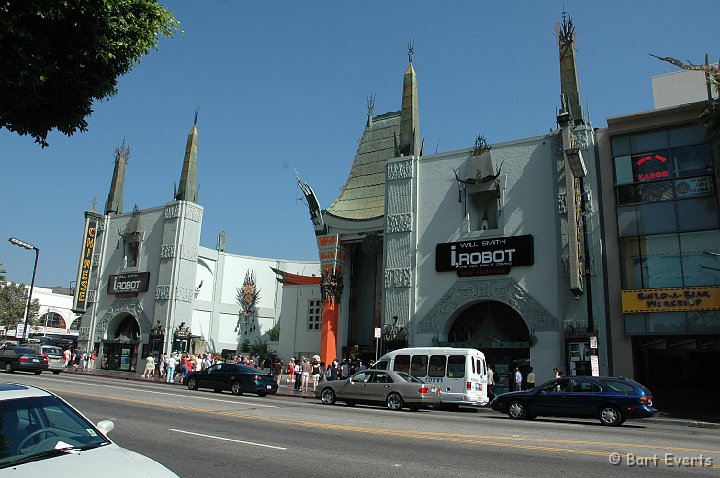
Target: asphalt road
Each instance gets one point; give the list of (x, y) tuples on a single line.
[(205, 434)]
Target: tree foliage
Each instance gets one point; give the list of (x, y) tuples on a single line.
[(13, 300), (58, 56)]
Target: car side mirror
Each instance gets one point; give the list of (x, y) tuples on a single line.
[(105, 426)]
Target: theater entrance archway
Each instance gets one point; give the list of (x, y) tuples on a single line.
[(498, 331), (121, 342)]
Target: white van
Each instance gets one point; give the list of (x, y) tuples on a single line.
[(461, 373)]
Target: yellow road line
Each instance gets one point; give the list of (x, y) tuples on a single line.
[(491, 440)]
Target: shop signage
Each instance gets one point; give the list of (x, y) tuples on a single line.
[(671, 300), (693, 187), (652, 166), (128, 285), (484, 256)]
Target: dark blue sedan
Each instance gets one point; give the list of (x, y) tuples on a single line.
[(612, 400), (238, 378)]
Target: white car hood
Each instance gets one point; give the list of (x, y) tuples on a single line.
[(109, 461)]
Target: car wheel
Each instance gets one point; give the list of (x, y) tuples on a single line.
[(517, 410), (610, 416), (8, 367), (328, 396), (394, 401), (261, 394), (193, 383), (236, 388)]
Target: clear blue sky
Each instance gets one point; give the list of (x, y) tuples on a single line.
[(282, 86)]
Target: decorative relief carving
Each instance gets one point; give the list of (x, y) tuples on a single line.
[(400, 170), (167, 251), (399, 223), (96, 260), (184, 294), (508, 291), (84, 333), (166, 292), (91, 295), (133, 308), (189, 253), (162, 292), (398, 277), (582, 140), (562, 203), (193, 213), (172, 211)]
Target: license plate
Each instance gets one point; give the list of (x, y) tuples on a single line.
[(268, 386)]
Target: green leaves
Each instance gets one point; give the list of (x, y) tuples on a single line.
[(57, 57)]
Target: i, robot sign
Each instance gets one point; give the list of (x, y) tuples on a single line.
[(484, 256)]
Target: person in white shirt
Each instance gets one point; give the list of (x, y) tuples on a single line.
[(518, 379)]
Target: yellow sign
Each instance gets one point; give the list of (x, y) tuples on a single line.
[(671, 300)]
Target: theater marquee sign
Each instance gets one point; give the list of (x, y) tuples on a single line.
[(482, 257), (128, 285)]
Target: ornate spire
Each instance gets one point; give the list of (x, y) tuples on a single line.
[(410, 116), (188, 179), (370, 109), (569, 85), (114, 204)]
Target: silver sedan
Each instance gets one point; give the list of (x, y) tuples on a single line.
[(395, 389)]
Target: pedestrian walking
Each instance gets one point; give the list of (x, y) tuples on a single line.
[(518, 380), (171, 368), (491, 380), (298, 375), (149, 367), (91, 364), (530, 379)]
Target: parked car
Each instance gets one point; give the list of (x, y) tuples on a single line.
[(395, 389), (236, 377), (56, 360), (612, 400), (18, 358), (43, 435)]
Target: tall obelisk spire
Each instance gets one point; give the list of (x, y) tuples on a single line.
[(114, 202), (569, 85), (188, 179), (410, 114)]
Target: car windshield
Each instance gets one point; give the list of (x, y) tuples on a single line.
[(36, 428), (409, 378)]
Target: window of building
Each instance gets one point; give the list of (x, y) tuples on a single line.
[(671, 260), (52, 319), (314, 314)]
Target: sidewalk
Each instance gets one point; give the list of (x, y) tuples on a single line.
[(676, 417)]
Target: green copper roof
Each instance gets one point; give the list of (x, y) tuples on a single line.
[(363, 196)]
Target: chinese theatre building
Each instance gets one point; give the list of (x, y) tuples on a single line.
[(660, 203), (496, 246), (147, 287)]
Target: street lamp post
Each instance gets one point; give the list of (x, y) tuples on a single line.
[(25, 245)]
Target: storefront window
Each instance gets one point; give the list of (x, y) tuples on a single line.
[(635, 324), (695, 214), (692, 160), (704, 322), (623, 170), (701, 267), (661, 261), (656, 218), (631, 263), (666, 322), (649, 141)]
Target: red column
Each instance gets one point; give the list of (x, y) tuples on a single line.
[(328, 333)]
